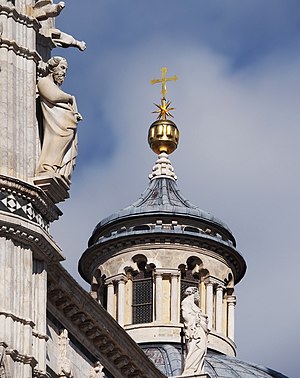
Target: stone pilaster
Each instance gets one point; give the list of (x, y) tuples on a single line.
[(231, 302), (209, 303), (158, 296), (175, 297), (219, 308), (19, 143)]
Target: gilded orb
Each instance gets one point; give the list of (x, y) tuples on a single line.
[(163, 136)]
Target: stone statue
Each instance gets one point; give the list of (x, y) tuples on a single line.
[(97, 371), (59, 119), (196, 331), (43, 9), (62, 39), (64, 362)]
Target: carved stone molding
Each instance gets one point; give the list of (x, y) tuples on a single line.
[(20, 50), (96, 254), (10, 11), (55, 186), (41, 336), (30, 194), (18, 319), (27, 233), (40, 374), (19, 357), (95, 328)]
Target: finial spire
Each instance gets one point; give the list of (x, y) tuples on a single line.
[(163, 81), (163, 134), (164, 109)]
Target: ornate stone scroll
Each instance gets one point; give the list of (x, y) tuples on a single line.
[(196, 331), (58, 127)]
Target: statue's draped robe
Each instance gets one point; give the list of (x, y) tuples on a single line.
[(59, 146), (195, 326)]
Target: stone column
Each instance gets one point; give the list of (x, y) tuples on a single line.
[(158, 296), (231, 302), (18, 60), (202, 296), (209, 303), (219, 308), (111, 299), (174, 298), (121, 300)]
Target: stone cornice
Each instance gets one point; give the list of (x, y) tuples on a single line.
[(96, 254), (12, 45), (95, 328), (41, 336), (28, 233), (24, 358), (18, 319), (11, 11), (34, 194)]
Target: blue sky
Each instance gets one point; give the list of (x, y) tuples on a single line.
[(237, 108)]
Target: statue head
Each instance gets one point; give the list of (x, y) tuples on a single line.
[(57, 67), (192, 291)]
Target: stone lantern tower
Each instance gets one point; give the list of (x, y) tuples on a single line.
[(141, 259)]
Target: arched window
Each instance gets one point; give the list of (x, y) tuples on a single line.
[(188, 280), (142, 294), (190, 275)]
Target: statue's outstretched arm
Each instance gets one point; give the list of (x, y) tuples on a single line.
[(46, 9), (62, 39)]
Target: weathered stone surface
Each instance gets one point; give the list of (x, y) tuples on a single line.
[(82, 314)]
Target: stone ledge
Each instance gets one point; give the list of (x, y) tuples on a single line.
[(28, 233), (20, 50), (11, 11), (54, 186), (18, 318)]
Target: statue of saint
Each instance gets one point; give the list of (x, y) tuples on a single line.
[(59, 119), (196, 331)]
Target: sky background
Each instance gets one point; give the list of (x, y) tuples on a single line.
[(238, 110)]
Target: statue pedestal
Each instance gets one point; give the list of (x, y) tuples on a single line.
[(56, 187)]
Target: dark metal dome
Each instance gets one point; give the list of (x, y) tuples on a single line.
[(160, 212), (162, 197), (167, 358)]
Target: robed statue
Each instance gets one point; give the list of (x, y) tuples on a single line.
[(59, 123), (196, 331)]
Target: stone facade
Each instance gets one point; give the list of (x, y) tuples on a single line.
[(49, 326)]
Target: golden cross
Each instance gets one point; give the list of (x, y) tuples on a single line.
[(164, 80)]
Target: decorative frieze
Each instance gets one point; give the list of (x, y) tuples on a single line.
[(26, 200), (95, 328)]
